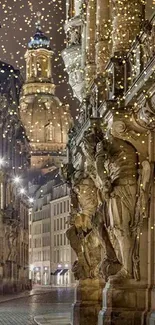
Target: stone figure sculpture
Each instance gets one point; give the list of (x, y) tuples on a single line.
[(81, 234), (115, 162), (108, 205)]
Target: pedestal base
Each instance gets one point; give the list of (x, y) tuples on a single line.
[(88, 302), (151, 320), (123, 304)]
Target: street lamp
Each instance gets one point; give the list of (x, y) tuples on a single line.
[(22, 191), (31, 267), (17, 180), (1, 161), (31, 200)]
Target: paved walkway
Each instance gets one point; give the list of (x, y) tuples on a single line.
[(59, 319), (42, 306), (24, 294)]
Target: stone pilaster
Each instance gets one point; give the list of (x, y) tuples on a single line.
[(123, 304), (90, 42), (127, 18), (102, 35), (151, 240), (88, 301)]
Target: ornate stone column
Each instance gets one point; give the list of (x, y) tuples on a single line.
[(88, 301), (90, 42), (102, 35), (127, 19)]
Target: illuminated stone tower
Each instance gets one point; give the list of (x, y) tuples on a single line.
[(45, 118)]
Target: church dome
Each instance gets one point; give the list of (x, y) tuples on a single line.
[(47, 122), (39, 40)]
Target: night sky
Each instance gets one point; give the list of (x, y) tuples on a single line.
[(17, 18)]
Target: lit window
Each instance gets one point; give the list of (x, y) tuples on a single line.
[(64, 239), (61, 239), (61, 224), (57, 240), (67, 205), (57, 208), (60, 207), (64, 206), (57, 224), (50, 132)]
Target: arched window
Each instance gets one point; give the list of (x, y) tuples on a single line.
[(28, 69), (39, 69), (50, 132), (42, 67)]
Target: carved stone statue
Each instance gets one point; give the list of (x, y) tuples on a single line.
[(116, 164), (82, 236), (116, 177), (110, 200)]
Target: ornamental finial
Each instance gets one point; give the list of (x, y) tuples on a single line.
[(38, 22)]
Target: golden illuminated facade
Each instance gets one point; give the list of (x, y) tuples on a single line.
[(45, 118), (110, 60)]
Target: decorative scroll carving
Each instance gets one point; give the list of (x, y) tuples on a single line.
[(120, 130)]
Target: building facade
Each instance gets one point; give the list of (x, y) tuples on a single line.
[(110, 57), (62, 253), (50, 254), (14, 161)]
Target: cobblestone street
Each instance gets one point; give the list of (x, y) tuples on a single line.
[(22, 311)]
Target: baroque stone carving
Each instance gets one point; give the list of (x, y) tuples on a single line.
[(117, 182), (81, 234), (74, 35), (110, 198), (115, 171), (146, 114)]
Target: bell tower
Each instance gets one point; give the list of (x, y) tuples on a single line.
[(38, 57), (45, 118)]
